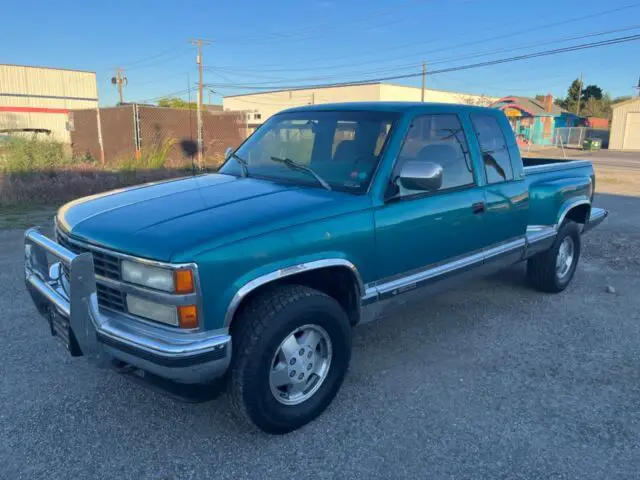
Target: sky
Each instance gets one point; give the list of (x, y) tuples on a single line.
[(285, 42)]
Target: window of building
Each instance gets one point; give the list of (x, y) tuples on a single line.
[(493, 145), (257, 116), (439, 139)]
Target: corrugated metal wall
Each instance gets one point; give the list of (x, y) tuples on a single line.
[(620, 134), (36, 97)]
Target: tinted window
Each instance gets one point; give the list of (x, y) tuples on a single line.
[(439, 139), (493, 145)]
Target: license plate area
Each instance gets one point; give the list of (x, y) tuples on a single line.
[(62, 331)]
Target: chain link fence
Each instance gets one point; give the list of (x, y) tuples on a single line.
[(93, 150), (155, 137), (574, 136)]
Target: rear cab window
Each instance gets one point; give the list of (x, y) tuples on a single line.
[(493, 146)]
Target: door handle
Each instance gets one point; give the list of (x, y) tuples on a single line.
[(478, 207)]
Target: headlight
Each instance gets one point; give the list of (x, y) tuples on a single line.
[(148, 276), (167, 314)]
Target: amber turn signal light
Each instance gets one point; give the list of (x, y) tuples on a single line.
[(188, 316), (183, 280)]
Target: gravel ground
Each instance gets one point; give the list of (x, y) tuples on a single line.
[(491, 380)]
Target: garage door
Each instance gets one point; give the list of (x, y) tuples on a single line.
[(632, 132)]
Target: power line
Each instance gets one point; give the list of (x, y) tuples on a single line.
[(152, 57), (322, 29), (545, 53), (405, 67), (178, 93), (422, 54)]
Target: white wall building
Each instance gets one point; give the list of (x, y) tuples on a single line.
[(260, 106)]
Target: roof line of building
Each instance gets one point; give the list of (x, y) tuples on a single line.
[(312, 87), (619, 104), (46, 68)]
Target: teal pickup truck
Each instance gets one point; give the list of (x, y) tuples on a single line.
[(324, 218)]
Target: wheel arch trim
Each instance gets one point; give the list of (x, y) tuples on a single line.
[(567, 207), (289, 271)]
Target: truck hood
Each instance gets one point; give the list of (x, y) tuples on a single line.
[(163, 220)]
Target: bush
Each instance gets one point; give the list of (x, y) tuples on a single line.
[(20, 155)]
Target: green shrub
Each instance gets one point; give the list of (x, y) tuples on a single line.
[(21, 155)]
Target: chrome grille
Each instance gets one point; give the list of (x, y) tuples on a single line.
[(105, 265), (111, 298)]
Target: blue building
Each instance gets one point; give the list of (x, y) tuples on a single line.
[(535, 121)]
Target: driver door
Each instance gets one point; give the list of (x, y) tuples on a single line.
[(422, 230)]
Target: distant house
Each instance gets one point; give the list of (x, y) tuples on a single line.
[(535, 121), (596, 122)]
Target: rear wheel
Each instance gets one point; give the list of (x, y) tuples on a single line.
[(553, 270), (292, 347)]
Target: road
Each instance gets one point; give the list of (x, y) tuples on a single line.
[(613, 159), (490, 380)]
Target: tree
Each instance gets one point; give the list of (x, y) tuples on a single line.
[(591, 91), (175, 102), (573, 96)]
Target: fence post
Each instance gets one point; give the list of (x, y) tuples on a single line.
[(199, 127), (136, 130), (100, 142)]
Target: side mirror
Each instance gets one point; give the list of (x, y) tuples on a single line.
[(419, 175), (227, 153)]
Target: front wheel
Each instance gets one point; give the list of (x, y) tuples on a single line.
[(292, 346), (552, 271)]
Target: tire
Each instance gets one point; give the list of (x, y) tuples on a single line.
[(262, 326), (542, 269)]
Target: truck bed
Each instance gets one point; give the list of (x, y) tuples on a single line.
[(539, 165)]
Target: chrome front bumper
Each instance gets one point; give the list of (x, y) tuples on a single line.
[(186, 357)]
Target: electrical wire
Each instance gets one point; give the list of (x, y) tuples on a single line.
[(322, 29), (437, 50), (178, 93), (545, 53), (443, 60)]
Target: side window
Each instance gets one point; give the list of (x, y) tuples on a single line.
[(439, 139), (493, 145)]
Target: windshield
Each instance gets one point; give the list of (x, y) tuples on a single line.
[(342, 148)]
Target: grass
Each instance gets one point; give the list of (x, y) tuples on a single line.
[(35, 172)]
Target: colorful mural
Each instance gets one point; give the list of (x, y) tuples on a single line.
[(535, 120)]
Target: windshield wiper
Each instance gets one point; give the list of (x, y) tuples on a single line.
[(302, 168), (242, 162)]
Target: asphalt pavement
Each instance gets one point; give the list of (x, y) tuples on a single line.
[(490, 380)]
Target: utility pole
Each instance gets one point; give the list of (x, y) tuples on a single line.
[(424, 79), (119, 81), (579, 97), (199, 43), (638, 87)]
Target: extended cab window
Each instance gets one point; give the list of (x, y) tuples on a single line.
[(438, 139), (493, 145)]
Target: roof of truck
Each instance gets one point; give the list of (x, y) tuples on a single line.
[(385, 107)]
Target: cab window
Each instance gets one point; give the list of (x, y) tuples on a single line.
[(493, 146), (438, 139)]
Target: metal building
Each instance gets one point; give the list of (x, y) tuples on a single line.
[(625, 125), (40, 98)]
